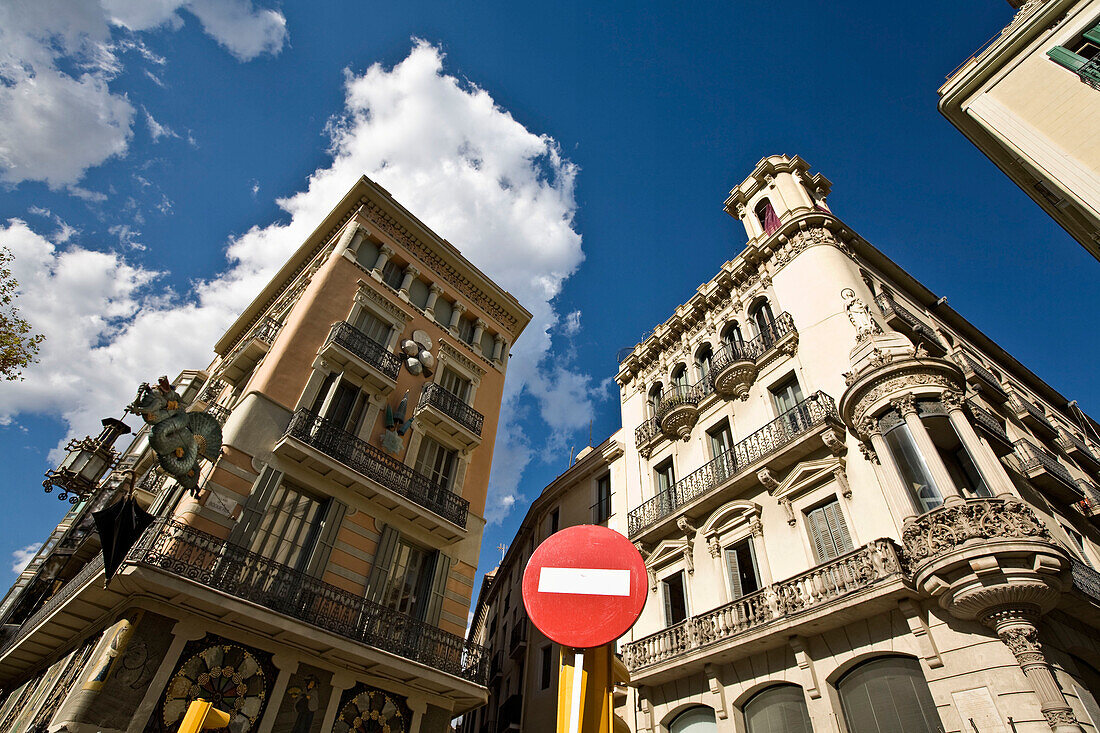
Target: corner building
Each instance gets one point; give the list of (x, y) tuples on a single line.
[(321, 579), (857, 512)]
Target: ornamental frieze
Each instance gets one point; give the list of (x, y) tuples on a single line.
[(895, 381), (945, 529)]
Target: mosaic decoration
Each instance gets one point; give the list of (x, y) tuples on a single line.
[(370, 710), (235, 678)]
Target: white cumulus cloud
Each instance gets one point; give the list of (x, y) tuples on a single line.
[(21, 558), (503, 194)]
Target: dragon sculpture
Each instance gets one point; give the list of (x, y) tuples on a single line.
[(179, 438)]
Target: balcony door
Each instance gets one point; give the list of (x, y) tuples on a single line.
[(288, 531), (675, 595), (437, 462), (786, 397), (373, 328), (455, 383), (341, 403), (744, 575), (762, 319)]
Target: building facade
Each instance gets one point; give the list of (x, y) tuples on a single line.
[(1029, 101), (858, 513), (523, 664), (321, 577)]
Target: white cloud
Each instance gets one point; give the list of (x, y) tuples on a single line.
[(21, 558), (571, 324), (58, 113), (157, 130), (502, 194)]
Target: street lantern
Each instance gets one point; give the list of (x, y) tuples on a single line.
[(86, 462)]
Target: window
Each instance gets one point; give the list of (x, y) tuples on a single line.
[(1079, 52), (765, 214), (914, 470), (694, 720), (886, 695), (1078, 542), (406, 590), (828, 531), (720, 438), (546, 666), (346, 408), (602, 507), (675, 598), (786, 395), (455, 383), (373, 328), (779, 709), (466, 329), (655, 394), (964, 472), (680, 379), (665, 475), (554, 516), (287, 533), (393, 274), (437, 462), (703, 359), (741, 567), (732, 336), (763, 321)]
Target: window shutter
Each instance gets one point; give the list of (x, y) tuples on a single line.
[(668, 603), (383, 559), (255, 506), (1066, 58), (439, 588), (838, 528), (817, 525), (1093, 34), (326, 539), (735, 573)]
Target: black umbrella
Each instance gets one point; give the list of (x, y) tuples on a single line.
[(119, 525)]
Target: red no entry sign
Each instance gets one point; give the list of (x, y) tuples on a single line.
[(584, 586)]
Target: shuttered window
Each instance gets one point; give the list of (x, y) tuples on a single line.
[(408, 578), (1077, 53), (288, 531), (436, 461), (455, 383), (675, 598), (779, 709), (887, 695), (373, 327), (828, 531), (742, 570)]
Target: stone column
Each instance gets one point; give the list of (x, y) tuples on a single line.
[(407, 281), (907, 406), (889, 475), (479, 331), (418, 706), (498, 348), (287, 664), (1016, 628), (340, 681), (992, 471), (385, 252), (456, 314), (184, 631), (350, 234), (433, 295)]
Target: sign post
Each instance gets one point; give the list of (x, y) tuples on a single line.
[(583, 588)]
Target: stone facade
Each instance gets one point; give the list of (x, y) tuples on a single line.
[(321, 576)]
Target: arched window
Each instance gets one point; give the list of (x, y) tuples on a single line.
[(779, 709), (762, 318), (694, 720), (887, 695), (655, 393), (680, 378), (732, 336), (765, 214), (703, 358)]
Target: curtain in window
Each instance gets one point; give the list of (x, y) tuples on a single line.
[(828, 532), (888, 695), (779, 709)]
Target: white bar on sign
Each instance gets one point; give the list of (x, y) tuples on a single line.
[(585, 581)]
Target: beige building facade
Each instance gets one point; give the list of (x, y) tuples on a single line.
[(1029, 101), (320, 579)]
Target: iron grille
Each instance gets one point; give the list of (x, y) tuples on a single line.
[(363, 346), (1090, 72), (218, 412), (449, 404)]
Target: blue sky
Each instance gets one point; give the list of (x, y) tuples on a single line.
[(158, 163)]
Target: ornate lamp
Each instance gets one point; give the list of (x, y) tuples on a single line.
[(85, 463)]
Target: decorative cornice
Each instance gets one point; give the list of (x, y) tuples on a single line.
[(448, 352), (366, 292)]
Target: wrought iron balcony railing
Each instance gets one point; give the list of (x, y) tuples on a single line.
[(267, 330), (815, 410), (1075, 446), (681, 394), (1085, 579), (58, 599), (890, 308), (1033, 458), (762, 343), (207, 560), (153, 480), (362, 457), (647, 431), (218, 412), (987, 379), (363, 346), (1030, 413), (436, 396), (518, 636), (817, 587), (212, 390), (1090, 72)]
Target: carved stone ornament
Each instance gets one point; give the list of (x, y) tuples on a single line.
[(1060, 716), (952, 400), (735, 379), (713, 548), (906, 380), (859, 315), (842, 481), (944, 529), (1023, 642), (880, 358), (786, 504), (768, 479), (906, 404), (833, 442), (868, 453)]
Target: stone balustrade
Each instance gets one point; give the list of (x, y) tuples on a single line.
[(947, 528)]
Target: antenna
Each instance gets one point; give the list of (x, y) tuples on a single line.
[(571, 455), (590, 432), (503, 549)]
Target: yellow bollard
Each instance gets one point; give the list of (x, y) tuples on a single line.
[(202, 715), (589, 709)]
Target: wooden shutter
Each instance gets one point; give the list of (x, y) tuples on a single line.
[(326, 538), (1093, 34), (734, 570), (818, 530), (439, 588), (1065, 57), (668, 602), (383, 559), (255, 506), (839, 530)]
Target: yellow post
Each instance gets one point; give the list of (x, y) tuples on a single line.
[(589, 709), (202, 715)]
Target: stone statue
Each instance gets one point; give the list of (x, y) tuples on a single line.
[(859, 314), (179, 438)]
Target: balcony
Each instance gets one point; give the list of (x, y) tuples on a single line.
[(993, 428), (812, 600), (1078, 450), (981, 378), (1029, 414), (678, 409), (1044, 470), (450, 415), (1090, 72), (197, 557), (776, 446), (212, 390), (736, 363), (517, 640), (319, 446), (904, 320), (218, 412), (356, 353), (244, 357), (646, 434)]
